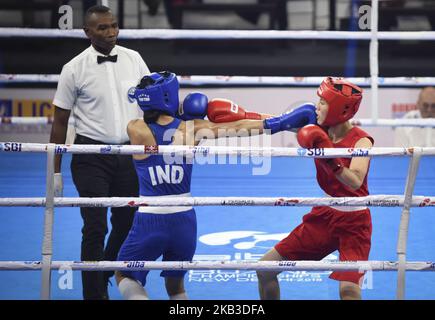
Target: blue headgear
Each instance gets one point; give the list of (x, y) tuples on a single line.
[(157, 91)]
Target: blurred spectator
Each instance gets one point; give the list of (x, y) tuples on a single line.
[(281, 13), (391, 11), (31, 9), (387, 21), (392, 3), (87, 4), (415, 136), (153, 7), (252, 17)]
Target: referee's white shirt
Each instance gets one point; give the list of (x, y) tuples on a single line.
[(97, 94)]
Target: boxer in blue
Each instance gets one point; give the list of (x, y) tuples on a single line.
[(171, 231)]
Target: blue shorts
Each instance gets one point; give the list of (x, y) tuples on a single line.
[(153, 235)]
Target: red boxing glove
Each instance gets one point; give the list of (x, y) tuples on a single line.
[(223, 110), (312, 136)]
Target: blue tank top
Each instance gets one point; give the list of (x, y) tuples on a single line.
[(157, 177)]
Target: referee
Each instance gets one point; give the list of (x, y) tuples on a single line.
[(93, 86)]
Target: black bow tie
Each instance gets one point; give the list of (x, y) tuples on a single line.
[(101, 59)]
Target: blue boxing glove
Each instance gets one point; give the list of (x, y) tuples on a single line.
[(295, 119), (194, 106)]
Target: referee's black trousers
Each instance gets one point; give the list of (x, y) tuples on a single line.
[(97, 175)]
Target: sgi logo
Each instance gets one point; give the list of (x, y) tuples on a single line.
[(301, 152), (316, 152), (12, 146)]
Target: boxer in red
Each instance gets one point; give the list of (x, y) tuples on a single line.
[(326, 229)]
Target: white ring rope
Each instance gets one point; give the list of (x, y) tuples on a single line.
[(221, 80), (428, 122), (191, 151), (174, 34), (369, 201), (356, 122), (324, 265)]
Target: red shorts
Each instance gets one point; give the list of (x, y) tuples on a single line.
[(325, 230)]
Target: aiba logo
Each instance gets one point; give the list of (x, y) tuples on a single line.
[(131, 92), (287, 263), (105, 149), (135, 264), (243, 240), (425, 202), (204, 151), (60, 150), (286, 202), (137, 204), (358, 152), (151, 149)]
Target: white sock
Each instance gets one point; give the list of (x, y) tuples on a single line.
[(179, 296), (132, 290)]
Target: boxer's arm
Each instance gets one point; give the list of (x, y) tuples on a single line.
[(211, 130), (265, 116), (224, 110), (58, 132), (197, 106), (140, 134), (292, 120), (353, 177)]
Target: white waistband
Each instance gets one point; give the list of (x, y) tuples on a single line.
[(346, 208), (165, 210)]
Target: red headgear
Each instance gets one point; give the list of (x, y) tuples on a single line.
[(342, 97)]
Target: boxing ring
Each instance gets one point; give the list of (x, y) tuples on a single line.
[(49, 202), (27, 169)]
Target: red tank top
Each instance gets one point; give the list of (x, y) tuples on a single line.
[(327, 180)]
